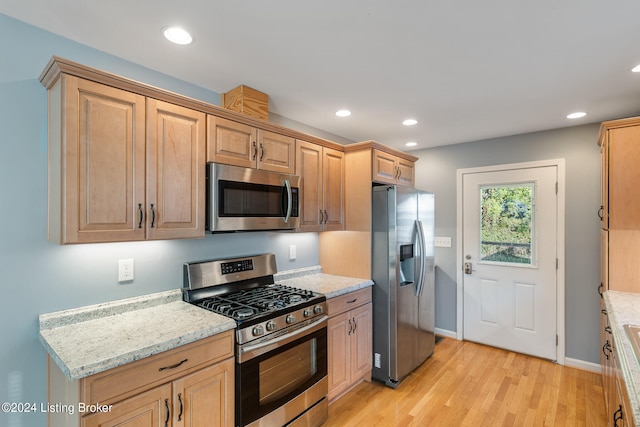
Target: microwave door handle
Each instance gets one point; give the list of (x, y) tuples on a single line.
[(287, 185)]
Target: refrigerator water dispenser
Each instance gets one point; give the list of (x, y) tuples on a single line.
[(407, 265)]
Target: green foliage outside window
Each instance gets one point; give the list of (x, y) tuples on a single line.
[(506, 223)]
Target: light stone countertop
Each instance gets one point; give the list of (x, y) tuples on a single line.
[(312, 279), (92, 339), (624, 308)]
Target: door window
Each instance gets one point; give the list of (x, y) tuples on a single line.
[(506, 223)]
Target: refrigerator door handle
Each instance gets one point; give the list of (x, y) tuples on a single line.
[(422, 245)]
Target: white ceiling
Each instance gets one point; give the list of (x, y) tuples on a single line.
[(465, 69)]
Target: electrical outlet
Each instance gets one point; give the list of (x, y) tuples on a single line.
[(376, 361), (125, 270), (292, 252)]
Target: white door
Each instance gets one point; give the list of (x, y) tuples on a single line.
[(510, 259)]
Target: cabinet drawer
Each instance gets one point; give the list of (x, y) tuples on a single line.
[(133, 378), (348, 301)]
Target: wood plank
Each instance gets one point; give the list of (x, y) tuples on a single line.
[(467, 384)]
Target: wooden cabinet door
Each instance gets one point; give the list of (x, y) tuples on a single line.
[(406, 172), (205, 398), (384, 167), (102, 161), (149, 409), (333, 173), (624, 176), (361, 342), (309, 169), (175, 171), (604, 260), (231, 143), (605, 354), (603, 213), (389, 169), (339, 353), (276, 152)]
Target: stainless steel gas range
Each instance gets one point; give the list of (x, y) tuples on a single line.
[(281, 339)]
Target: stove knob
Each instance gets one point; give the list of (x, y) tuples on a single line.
[(257, 331), (271, 325), (318, 309), (307, 312), (290, 319)]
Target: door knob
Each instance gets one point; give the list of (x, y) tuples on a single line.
[(467, 268)]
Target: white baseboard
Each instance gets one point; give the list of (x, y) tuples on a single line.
[(581, 364), (572, 363), (446, 333)]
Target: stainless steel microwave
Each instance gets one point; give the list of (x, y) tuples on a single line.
[(245, 199)]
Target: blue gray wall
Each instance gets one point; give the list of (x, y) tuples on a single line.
[(436, 172), (41, 277)]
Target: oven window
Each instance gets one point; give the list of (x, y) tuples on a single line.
[(239, 199), (285, 372)]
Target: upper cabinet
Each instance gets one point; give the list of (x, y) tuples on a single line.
[(127, 161), (619, 210), (366, 164), (238, 144), (122, 167), (322, 173), (390, 169), (96, 163), (176, 140)]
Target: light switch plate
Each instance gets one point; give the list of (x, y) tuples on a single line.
[(443, 242)]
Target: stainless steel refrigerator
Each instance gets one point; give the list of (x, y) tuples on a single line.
[(403, 272)]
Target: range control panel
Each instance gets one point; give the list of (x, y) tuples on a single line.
[(237, 266)]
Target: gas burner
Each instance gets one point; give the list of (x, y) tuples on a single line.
[(293, 299), (273, 304), (242, 313)]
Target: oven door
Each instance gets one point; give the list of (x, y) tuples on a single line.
[(278, 380), (243, 199)]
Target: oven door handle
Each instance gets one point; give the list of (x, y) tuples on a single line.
[(284, 339)]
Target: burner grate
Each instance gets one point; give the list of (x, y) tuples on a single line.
[(246, 303)]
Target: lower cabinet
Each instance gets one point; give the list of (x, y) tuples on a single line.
[(188, 386), (617, 405), (203, 398), (349, 341)]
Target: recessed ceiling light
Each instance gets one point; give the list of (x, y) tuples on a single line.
[(343, 113), (576, 115), (636, 69), (177, 35), (409, 122), (411, 144)]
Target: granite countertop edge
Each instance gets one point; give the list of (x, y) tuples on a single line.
[(61, 333), (622, 310)]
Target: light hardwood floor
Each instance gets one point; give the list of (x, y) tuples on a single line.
[(467, 384)]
